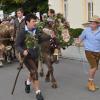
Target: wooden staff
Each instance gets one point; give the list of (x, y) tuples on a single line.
[(16, 80), (21, 59)]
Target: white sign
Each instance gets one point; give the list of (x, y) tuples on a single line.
[(12, 14), (38, 14), (1, 14)]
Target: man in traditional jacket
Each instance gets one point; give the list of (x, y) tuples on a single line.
[(19, 22), (30, 53)]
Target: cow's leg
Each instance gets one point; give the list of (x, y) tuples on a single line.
[(53, 80), (46, 61), (50, 72), (41, 72), (47, 79)]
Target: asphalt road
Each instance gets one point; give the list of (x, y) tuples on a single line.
[(70, 75)]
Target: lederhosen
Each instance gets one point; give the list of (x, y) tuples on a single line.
[(93, 58), (31, 62)]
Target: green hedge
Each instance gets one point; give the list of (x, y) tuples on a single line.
[(75, 33)]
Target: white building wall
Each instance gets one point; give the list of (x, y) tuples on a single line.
[(75, 13), (96, 7), (77, 10), (57, 5)]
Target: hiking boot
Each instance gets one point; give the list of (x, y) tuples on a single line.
[(27, 88), (39, 96), (91, 86)]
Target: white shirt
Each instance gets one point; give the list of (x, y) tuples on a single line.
[(20, 19), (31, 32)]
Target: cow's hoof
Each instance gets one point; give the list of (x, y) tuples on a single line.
[(54, 85), (1, 64), (57, 62), (41, 74), (47, 79)]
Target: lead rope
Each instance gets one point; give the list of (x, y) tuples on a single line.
[(85, 68)]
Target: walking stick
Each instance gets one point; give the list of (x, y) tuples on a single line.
[(21, 59), (16, 80)]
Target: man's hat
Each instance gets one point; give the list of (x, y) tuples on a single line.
[(95, 19), (86, 24)]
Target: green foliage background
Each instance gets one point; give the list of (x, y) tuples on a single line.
[(28, 5), (75, 33)]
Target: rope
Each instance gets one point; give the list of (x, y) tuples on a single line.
[(82, 60), (5, 39)]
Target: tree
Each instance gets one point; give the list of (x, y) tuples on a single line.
[(9, 5), (27, 5)]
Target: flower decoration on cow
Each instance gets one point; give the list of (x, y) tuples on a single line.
[(31, 41), (58, 28)]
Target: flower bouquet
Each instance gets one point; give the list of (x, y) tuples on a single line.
[(31, 41)]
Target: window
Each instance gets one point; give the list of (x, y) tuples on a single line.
[(66, 8), (90, 10)]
